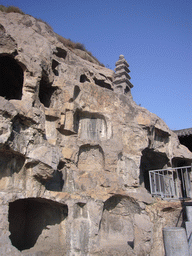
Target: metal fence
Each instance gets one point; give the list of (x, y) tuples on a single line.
[(171, 182)]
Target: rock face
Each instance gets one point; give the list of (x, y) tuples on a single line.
[(74, 153)]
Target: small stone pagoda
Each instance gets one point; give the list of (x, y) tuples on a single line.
[(121, 82)]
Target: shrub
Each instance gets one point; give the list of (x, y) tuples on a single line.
[(11, 9), (66, 42), (2, 8), (70, 44), (80, 46)]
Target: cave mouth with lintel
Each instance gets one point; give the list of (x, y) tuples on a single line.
[(11, 77), (29, 217)]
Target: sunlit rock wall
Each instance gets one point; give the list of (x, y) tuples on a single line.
[(74, 154)]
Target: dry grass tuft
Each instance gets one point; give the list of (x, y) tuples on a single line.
[(73, 45), (70, 44), (11, 9)]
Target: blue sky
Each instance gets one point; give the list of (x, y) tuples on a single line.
[(154, 36)]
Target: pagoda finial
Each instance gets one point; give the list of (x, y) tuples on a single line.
[(121, 79), (121, 56)]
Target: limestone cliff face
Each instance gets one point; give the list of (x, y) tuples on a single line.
[(74, 154)]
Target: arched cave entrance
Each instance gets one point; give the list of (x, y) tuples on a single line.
[(91, 163), (11, 77), (29, 218), (116, 230), (91, 158), (151, 160)]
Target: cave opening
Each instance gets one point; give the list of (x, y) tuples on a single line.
[(180, 162), (127, 89), (11, 77), (103, 84), (56, 183), (186, 141), (61, 53), (55, 64), (46, 92), (76, 92), (151, 160), (31, 218), (83, 78)]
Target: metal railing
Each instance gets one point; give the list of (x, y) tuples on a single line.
[(171, 182)]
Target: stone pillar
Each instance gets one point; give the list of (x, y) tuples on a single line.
[(188, 225), (121, 79), (189, 212), (175, 241)]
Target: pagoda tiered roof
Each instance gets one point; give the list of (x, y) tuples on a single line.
[(121, 78)]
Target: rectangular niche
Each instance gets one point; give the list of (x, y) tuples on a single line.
[(80, 210), (11, 175), (91, 126), (160, 137), (51, 131)]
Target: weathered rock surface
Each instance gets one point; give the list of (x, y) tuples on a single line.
[(74, 154)]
